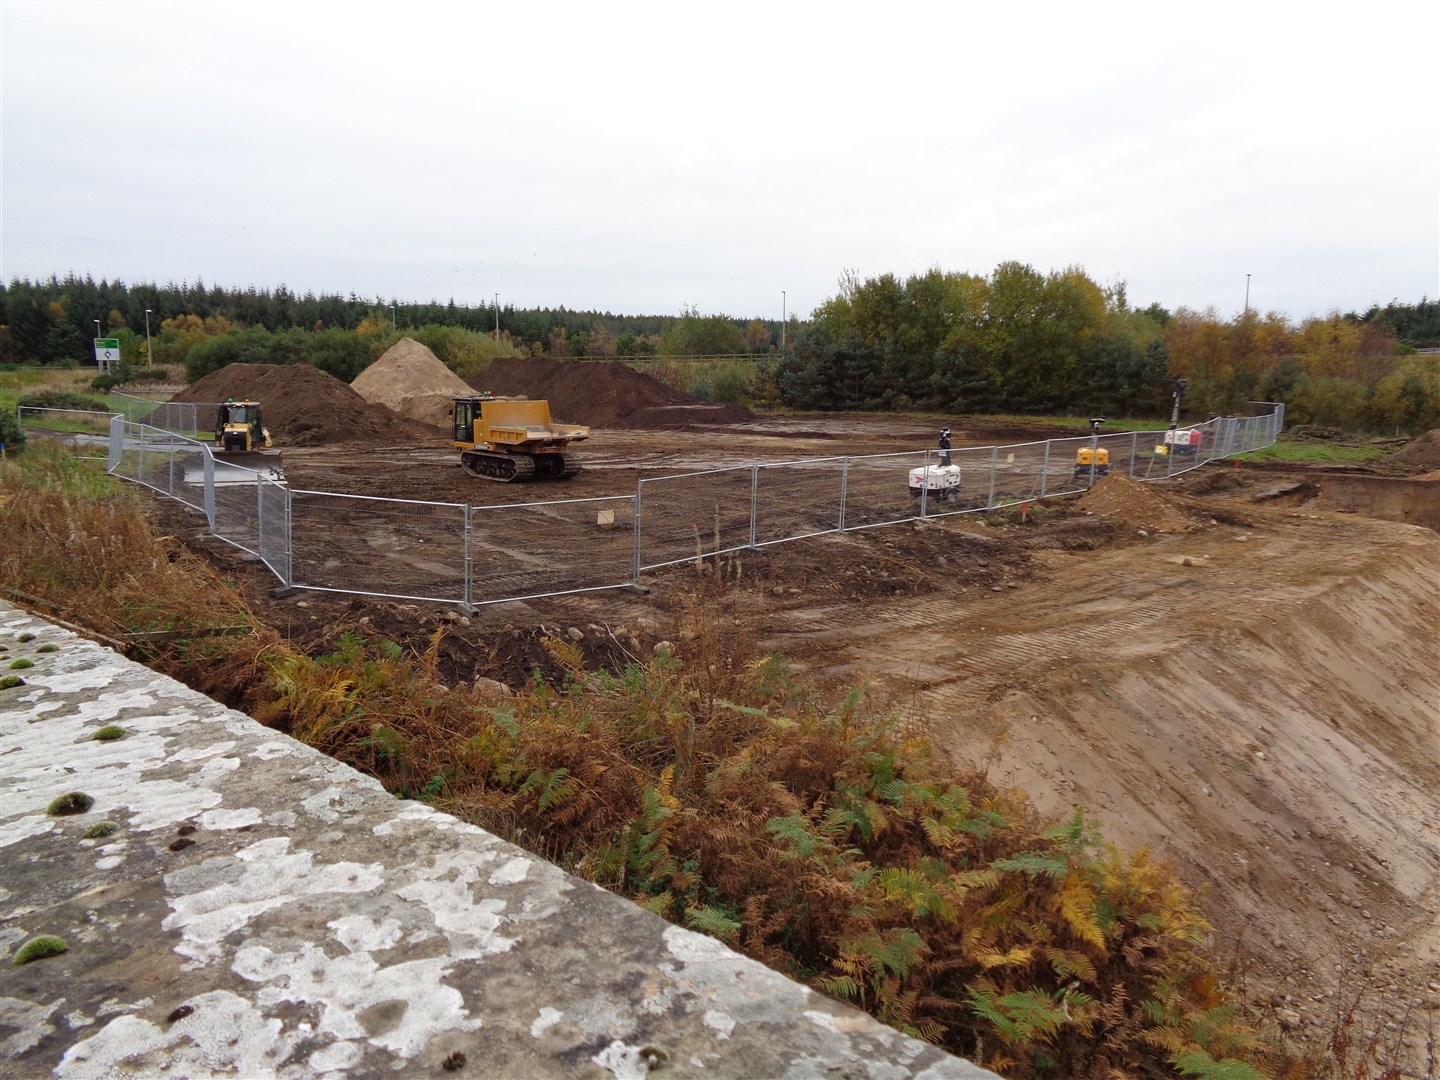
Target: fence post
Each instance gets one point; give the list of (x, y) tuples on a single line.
[(844, 488), (468, 590), (1045, 469), (994, 457), (289, 546), (1134, 451), (639, 489), (754, 495), (209, 470), (117, 443), (925, 486)]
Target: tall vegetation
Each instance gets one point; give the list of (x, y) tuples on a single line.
[(1022, 341)]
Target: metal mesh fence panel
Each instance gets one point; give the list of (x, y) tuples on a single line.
[(236, 517), (179, 417), (1019, 473), (1063, 474), (274, 518), (378, 547), (798, 498), (877, 489), (520, 551), (124, 454), (692, 515), (170, 464)]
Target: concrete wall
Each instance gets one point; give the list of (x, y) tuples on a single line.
[(262, 910)]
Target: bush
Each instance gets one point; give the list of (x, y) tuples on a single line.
[(63, 399), (11, 435), (118, 375)]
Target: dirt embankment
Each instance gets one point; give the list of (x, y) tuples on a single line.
[(602, 394), (1256, 698), (303, 406)]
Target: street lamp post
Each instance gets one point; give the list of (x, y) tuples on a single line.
[(1247, 294), (393, 324), (149, 356), (782, 320), (497, 317)]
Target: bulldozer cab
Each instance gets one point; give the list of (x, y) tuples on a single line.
[(238, 427), (463, 418)]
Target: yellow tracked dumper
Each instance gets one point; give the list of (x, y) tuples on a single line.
[(511, 441)]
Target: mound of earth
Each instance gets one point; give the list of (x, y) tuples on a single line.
[(1423, 451), (411, 380), (303, 406), (603, 394), (1117, 496)]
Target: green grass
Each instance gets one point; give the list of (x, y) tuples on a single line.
[(1318, 453), (21, 381), (48, 465)]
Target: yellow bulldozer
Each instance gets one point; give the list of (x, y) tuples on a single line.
[(512, 440), (241, 438)]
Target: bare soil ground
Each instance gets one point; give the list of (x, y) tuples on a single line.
[(1253, 693)]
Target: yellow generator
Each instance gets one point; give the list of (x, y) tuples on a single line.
[(511, 440), (1092, 462)]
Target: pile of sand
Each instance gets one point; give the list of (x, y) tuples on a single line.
[(602, 394), (1117, 496), (303, 406), (1423, 451), (412, 381)]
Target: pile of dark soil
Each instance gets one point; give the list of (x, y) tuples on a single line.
[(303, 406), (602, 394), (1423, 451)]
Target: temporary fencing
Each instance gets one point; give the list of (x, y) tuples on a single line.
[(473, 555), (386, 547)]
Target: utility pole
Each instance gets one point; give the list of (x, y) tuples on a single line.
[(1247, 294), (497, 317), (149, 356)]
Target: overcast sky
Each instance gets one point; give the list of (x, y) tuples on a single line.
[(638, 158)]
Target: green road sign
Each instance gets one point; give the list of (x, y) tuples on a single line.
[(107, 351)]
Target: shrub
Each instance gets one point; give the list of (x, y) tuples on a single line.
[(11, 433)]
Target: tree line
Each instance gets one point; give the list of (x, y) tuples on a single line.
[(54, 320), (1025, 342), (1016, 340)]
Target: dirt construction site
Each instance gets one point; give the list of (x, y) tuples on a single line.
[(1237, 668)]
